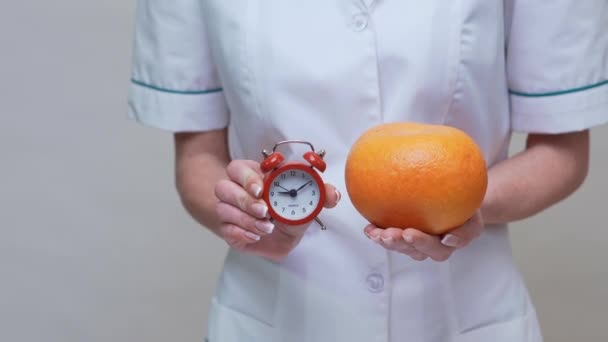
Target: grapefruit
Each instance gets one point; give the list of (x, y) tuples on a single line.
[(412, 175)]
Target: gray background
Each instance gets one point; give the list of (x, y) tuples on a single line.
[(94, 245)]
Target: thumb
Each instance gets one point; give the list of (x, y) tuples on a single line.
[(332, 196)]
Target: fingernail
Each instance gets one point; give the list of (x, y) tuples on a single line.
[(338, 195), (252, 236), (260, 210), (451, 240), (375, 238), (256, 190), (368, 236), (265, 226), (388, 240), (408, 238)]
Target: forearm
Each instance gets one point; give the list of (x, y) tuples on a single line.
[(200, 162), (550, 169)]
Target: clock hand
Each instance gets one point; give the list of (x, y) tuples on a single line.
[(302, 187), (282, 188), (292, 192)]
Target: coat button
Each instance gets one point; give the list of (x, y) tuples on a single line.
[(360, 21), (375, 282)]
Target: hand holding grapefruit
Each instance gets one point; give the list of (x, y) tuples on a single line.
[(412, 175)]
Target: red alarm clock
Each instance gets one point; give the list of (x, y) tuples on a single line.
[(294, 190)]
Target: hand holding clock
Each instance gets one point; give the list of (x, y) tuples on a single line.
[(244, 215)]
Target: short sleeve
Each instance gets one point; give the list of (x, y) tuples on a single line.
[(557, 65), (174, 83)]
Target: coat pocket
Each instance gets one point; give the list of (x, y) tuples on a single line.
[(520, 329), (229, 325), (489, 299)]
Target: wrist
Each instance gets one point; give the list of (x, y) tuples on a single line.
[(489, 212), (195, 184), (491, 208)]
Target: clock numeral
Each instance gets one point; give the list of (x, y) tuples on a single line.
[(293, 212), (292, 173), (275, 203), (272, 193), (283, 176), (303, 210), (314, 192), (310, 203), (277, 184), (283, 210), (303, 175)]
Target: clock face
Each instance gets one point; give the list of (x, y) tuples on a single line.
[(294, 194)]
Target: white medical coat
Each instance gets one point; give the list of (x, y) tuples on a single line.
[(327, 70)]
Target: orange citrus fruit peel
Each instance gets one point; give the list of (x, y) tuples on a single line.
[(412, 175)]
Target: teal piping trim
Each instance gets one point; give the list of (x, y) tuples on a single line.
[(560, 92), (171, 91)]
